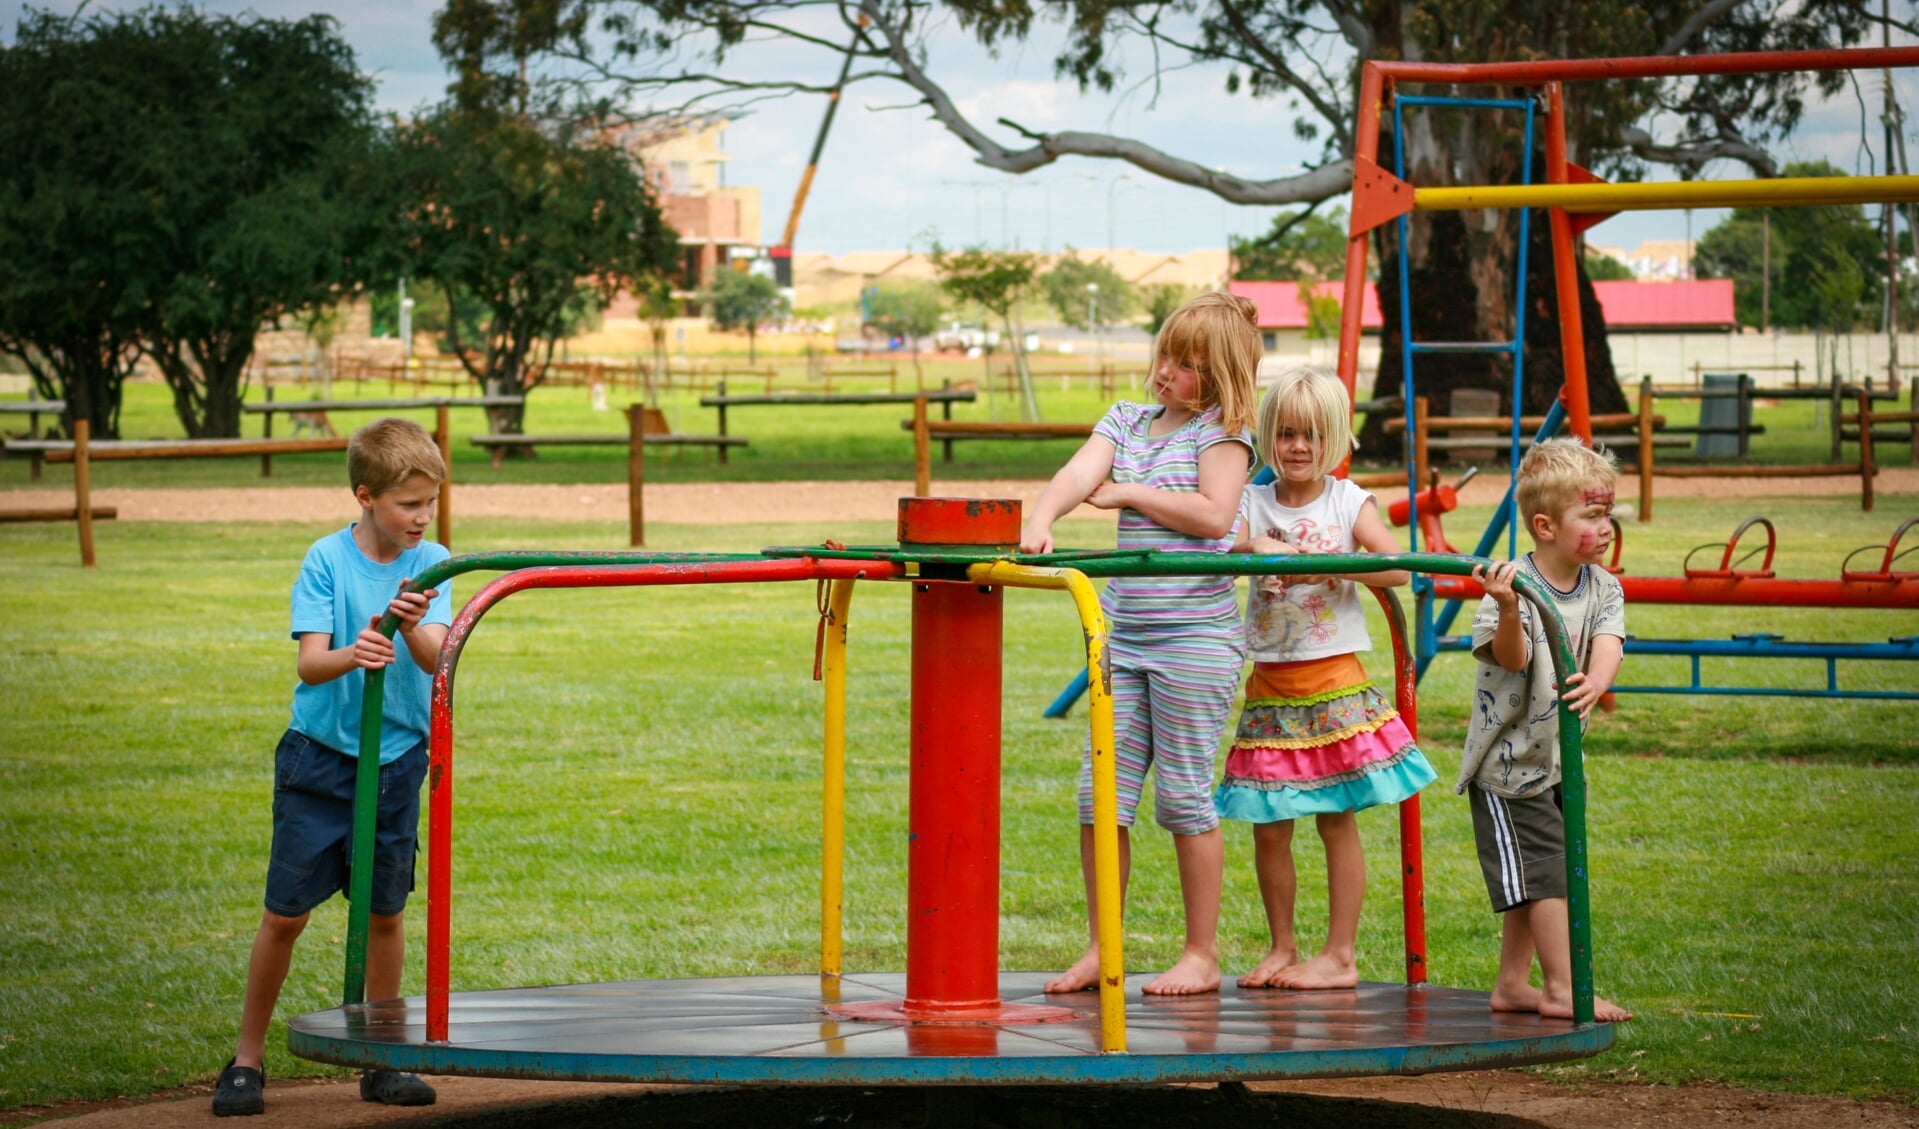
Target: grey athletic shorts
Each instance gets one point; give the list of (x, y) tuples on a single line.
[(1522, 846)]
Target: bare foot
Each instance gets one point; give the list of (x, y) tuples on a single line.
[(1523, 998), (1604, 1010), (1191, 975), (1270, 966), (1083, 976), (1320, 973)]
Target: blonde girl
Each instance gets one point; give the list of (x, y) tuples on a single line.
[(1315, 738), (1174, 470)]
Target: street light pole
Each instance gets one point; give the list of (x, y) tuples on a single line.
[(1092, 320)]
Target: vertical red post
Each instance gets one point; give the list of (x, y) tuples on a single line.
[(1572, 336), (952, 855)]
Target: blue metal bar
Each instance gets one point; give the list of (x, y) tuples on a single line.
[(1067, 697), (1903, 649), (1519, 329), (1464, 346), (1525, 104)]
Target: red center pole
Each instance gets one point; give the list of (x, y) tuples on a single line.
[(952, 854)]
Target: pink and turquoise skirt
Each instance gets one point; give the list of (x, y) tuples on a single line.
[(1316, 737)]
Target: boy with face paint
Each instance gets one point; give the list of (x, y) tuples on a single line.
[(1510, 770)]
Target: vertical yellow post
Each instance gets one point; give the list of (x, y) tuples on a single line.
[(1108, 930), (833, 779)]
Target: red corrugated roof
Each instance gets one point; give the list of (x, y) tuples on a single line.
[(1280, 307), (1705, 302)]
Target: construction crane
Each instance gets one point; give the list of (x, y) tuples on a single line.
[(782, 253)]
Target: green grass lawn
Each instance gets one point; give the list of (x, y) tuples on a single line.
[(639, 798)]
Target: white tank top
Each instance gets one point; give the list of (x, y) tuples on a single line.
[(1287, 621)]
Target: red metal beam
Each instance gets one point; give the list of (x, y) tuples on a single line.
[(439, 875)]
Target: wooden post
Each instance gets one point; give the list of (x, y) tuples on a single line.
[(720, 392), (636, 474), (1838, 409), (266, 432), (1866, 468), (83, 489), (1912, 426), (922, 451), (38, 460), (1645, 448), (443, 438), (1419, 442), (946, 413)]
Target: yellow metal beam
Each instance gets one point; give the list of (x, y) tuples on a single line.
[(1782, 192), (1108, 933)]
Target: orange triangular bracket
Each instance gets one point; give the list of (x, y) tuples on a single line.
[(1378, 196), (1578, 175)]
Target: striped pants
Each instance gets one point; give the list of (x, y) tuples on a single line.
[(1172, 697)]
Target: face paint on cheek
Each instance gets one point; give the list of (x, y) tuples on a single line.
[(1589, 542)]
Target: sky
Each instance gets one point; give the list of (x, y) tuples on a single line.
[(892, 178)]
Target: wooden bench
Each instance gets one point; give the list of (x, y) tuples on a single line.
[(722, 400), (499, 443), (33, 410)]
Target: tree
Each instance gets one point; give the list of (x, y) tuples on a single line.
[(742, 302), (176, 180), (532, 222), (996, 281), (909, 310), (1828, 262), (1160, 299), (1307, 52), (1605, 268), (657, 306), (1302, 246), (1068, 290)]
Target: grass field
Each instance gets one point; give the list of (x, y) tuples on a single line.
[(639, 798)]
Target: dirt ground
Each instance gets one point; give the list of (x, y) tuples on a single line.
[(735, 503), (1479, 1100)]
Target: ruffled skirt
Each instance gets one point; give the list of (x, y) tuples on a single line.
[(1316, 737)]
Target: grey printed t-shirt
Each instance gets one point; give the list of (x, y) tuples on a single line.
[(1512, 738)]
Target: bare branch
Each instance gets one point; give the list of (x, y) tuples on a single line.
[(1699, 21), (1693, 156), (1276, 63), (1317, 184)]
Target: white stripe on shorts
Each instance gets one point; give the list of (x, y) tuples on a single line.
[(1512, 879)]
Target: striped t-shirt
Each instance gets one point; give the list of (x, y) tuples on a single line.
[(1166, 604)]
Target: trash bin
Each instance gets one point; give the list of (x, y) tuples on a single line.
[(1722, 411)]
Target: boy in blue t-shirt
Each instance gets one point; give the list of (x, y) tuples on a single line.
[(347, 582)]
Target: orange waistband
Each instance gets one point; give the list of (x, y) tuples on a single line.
[(1306, 678)]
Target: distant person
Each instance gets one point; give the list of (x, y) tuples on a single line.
[(1174, 470), (1315, 738), (1510, 771), (347, 582)]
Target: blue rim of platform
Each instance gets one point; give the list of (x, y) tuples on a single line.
[(339, 1046)]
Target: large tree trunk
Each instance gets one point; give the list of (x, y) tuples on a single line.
[(1462, 280), (206, 389), (86, 370)]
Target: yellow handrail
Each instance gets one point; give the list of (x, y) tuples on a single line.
[(1108, 933), (833, 778)]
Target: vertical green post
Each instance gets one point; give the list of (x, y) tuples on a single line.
[(366, 808), (1572, 785)]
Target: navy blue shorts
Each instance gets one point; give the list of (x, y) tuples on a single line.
[(313, 826)]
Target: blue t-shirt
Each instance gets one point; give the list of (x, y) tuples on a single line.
[(338, 593)]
